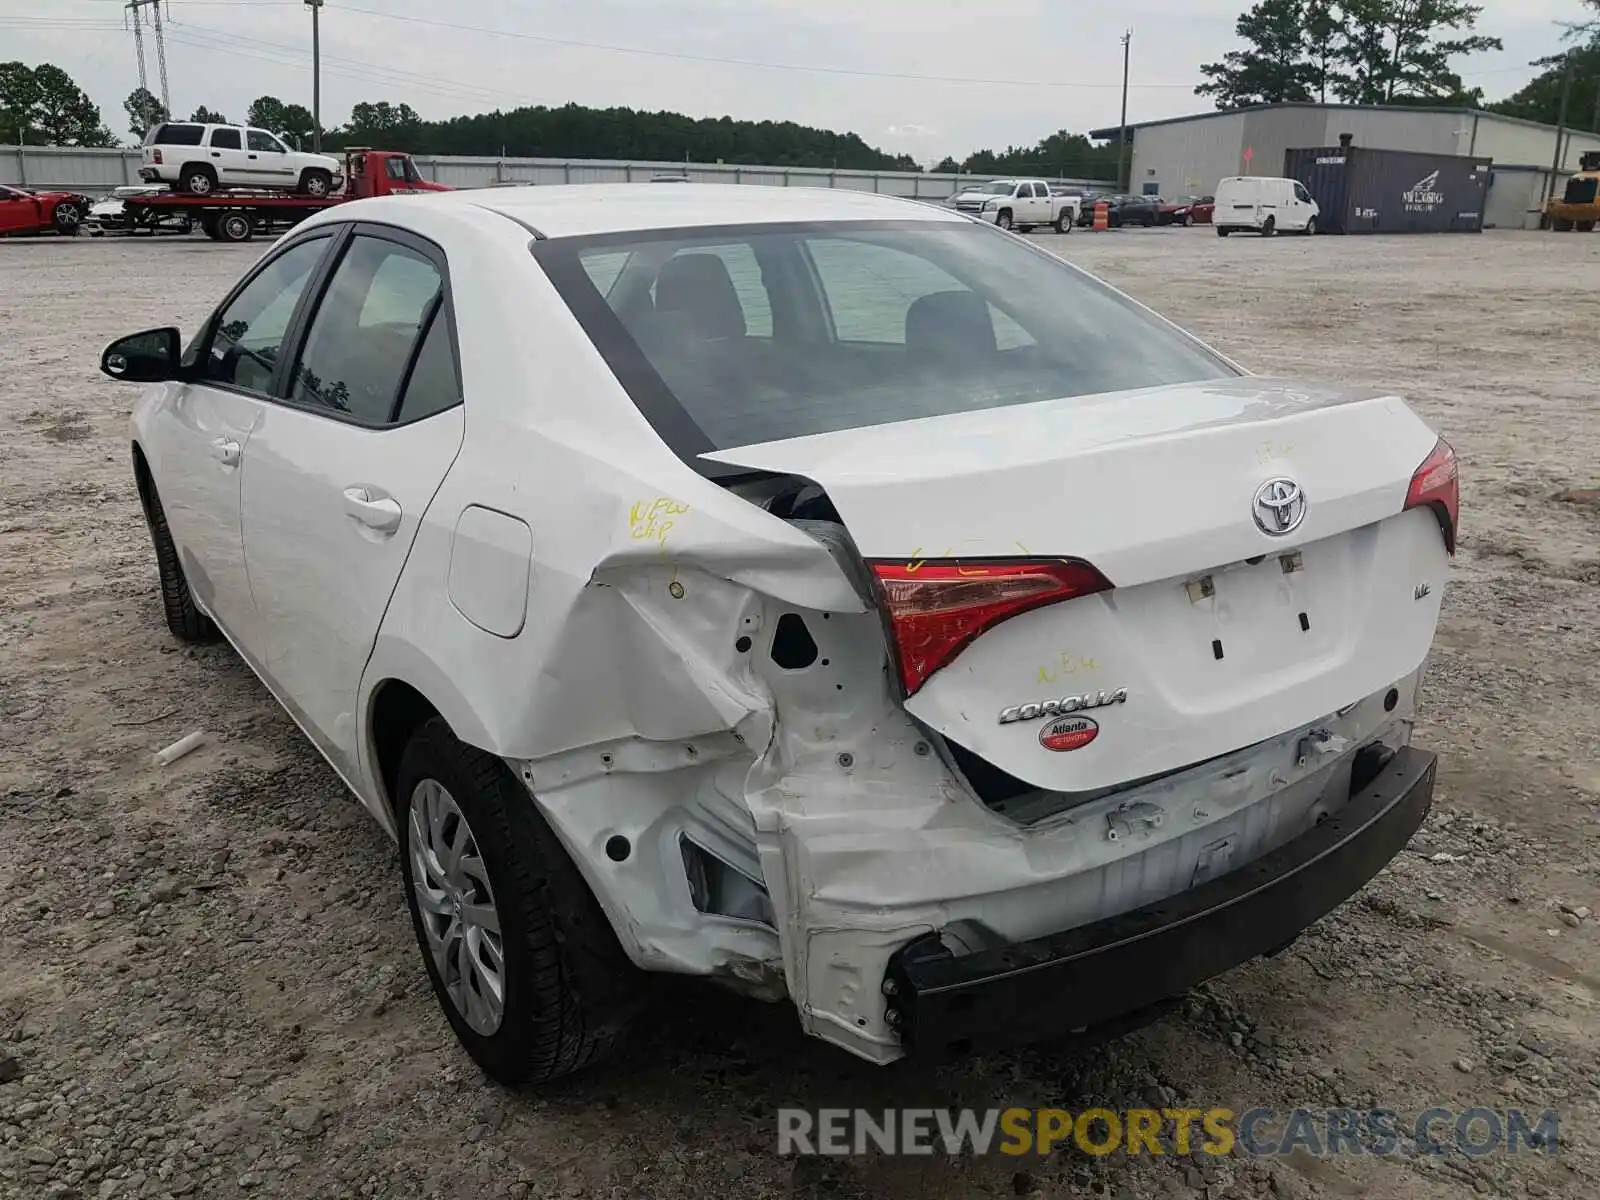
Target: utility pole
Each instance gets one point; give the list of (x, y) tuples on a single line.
[(316, 73), (1561, 125), (138, 44), (161, 47), (1122, 137), (161, 55)]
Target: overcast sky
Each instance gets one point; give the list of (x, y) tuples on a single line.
[(1032, 66)]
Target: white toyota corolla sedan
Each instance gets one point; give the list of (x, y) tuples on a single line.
[(822, 593)]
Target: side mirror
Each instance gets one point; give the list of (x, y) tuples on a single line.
[(148, 357)]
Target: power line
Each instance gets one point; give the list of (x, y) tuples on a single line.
[(808, 68), (204, 37), (577, 43), (85, 23)]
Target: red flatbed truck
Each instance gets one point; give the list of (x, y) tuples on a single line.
[(238, 214)]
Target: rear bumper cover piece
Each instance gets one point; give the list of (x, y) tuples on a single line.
[(1053, 985)]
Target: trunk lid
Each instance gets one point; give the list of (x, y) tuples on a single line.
[(1219, 634)]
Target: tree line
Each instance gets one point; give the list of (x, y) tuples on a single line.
[(1354, 51), (1574, 75), (1392, 52), (1062, 155), (44, 106)]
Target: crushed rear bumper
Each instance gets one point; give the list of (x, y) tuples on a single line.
[(1088, 976)]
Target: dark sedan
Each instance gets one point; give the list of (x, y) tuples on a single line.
[(1123, 210)]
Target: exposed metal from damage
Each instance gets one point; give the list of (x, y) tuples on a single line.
[(818, 784)]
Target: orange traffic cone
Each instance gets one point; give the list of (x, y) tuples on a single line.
[(1102, 216)]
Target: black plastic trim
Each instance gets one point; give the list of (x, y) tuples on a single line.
[(1084, 977)]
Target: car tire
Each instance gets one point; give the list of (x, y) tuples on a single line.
[(315, 182), (1561, 225), (1585, 226), (67, 220), (1269, 227), (184, 618), (197, 179), (1188, 220), (1223, 231), (1003, 220), (1311, 227), (1064, 223), (567, 991), (235, 227)]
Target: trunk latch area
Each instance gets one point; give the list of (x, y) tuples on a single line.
[(1318, 744)]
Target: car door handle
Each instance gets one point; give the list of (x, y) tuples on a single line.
[(225, 451), (381, 513), (252, 158), (216, 154)]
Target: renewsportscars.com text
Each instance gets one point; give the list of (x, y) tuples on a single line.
[(1257, 1132)]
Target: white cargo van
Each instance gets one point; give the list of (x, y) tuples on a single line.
[(1264, 205)]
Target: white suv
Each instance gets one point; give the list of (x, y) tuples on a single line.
[(199, 159)]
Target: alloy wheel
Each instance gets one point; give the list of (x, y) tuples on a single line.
[(457, 907)]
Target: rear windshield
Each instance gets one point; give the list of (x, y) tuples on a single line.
[(731, 336), (175, 135)]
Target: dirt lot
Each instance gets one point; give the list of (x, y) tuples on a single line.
[(208, 985)]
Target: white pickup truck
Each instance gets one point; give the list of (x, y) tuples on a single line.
[(1020, 203)]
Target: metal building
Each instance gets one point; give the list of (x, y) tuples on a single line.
[(1187, 155)]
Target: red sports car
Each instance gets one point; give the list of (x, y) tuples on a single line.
[(22, 211)]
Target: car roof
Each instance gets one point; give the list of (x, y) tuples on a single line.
[(576, 210)]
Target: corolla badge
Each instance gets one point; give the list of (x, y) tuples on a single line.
[(1062, 705), (1279, 507)]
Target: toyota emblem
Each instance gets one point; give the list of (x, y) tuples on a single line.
[(1279, 507)]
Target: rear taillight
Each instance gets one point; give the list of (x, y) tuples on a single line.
[(1436, 486), (933, 610), (155, 157)]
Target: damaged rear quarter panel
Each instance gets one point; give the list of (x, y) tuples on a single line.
[(624, 700)]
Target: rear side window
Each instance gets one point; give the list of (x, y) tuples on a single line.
[(434, 384), (728, 337), (176, 135), (226, 139), (366, 331)]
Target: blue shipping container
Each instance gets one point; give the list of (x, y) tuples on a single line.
[(1361, 190)]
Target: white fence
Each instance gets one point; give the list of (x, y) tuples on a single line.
[(98, 171)]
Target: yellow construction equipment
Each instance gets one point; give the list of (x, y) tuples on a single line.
[(1579, 206)]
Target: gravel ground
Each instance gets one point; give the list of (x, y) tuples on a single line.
[(208, 985)]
